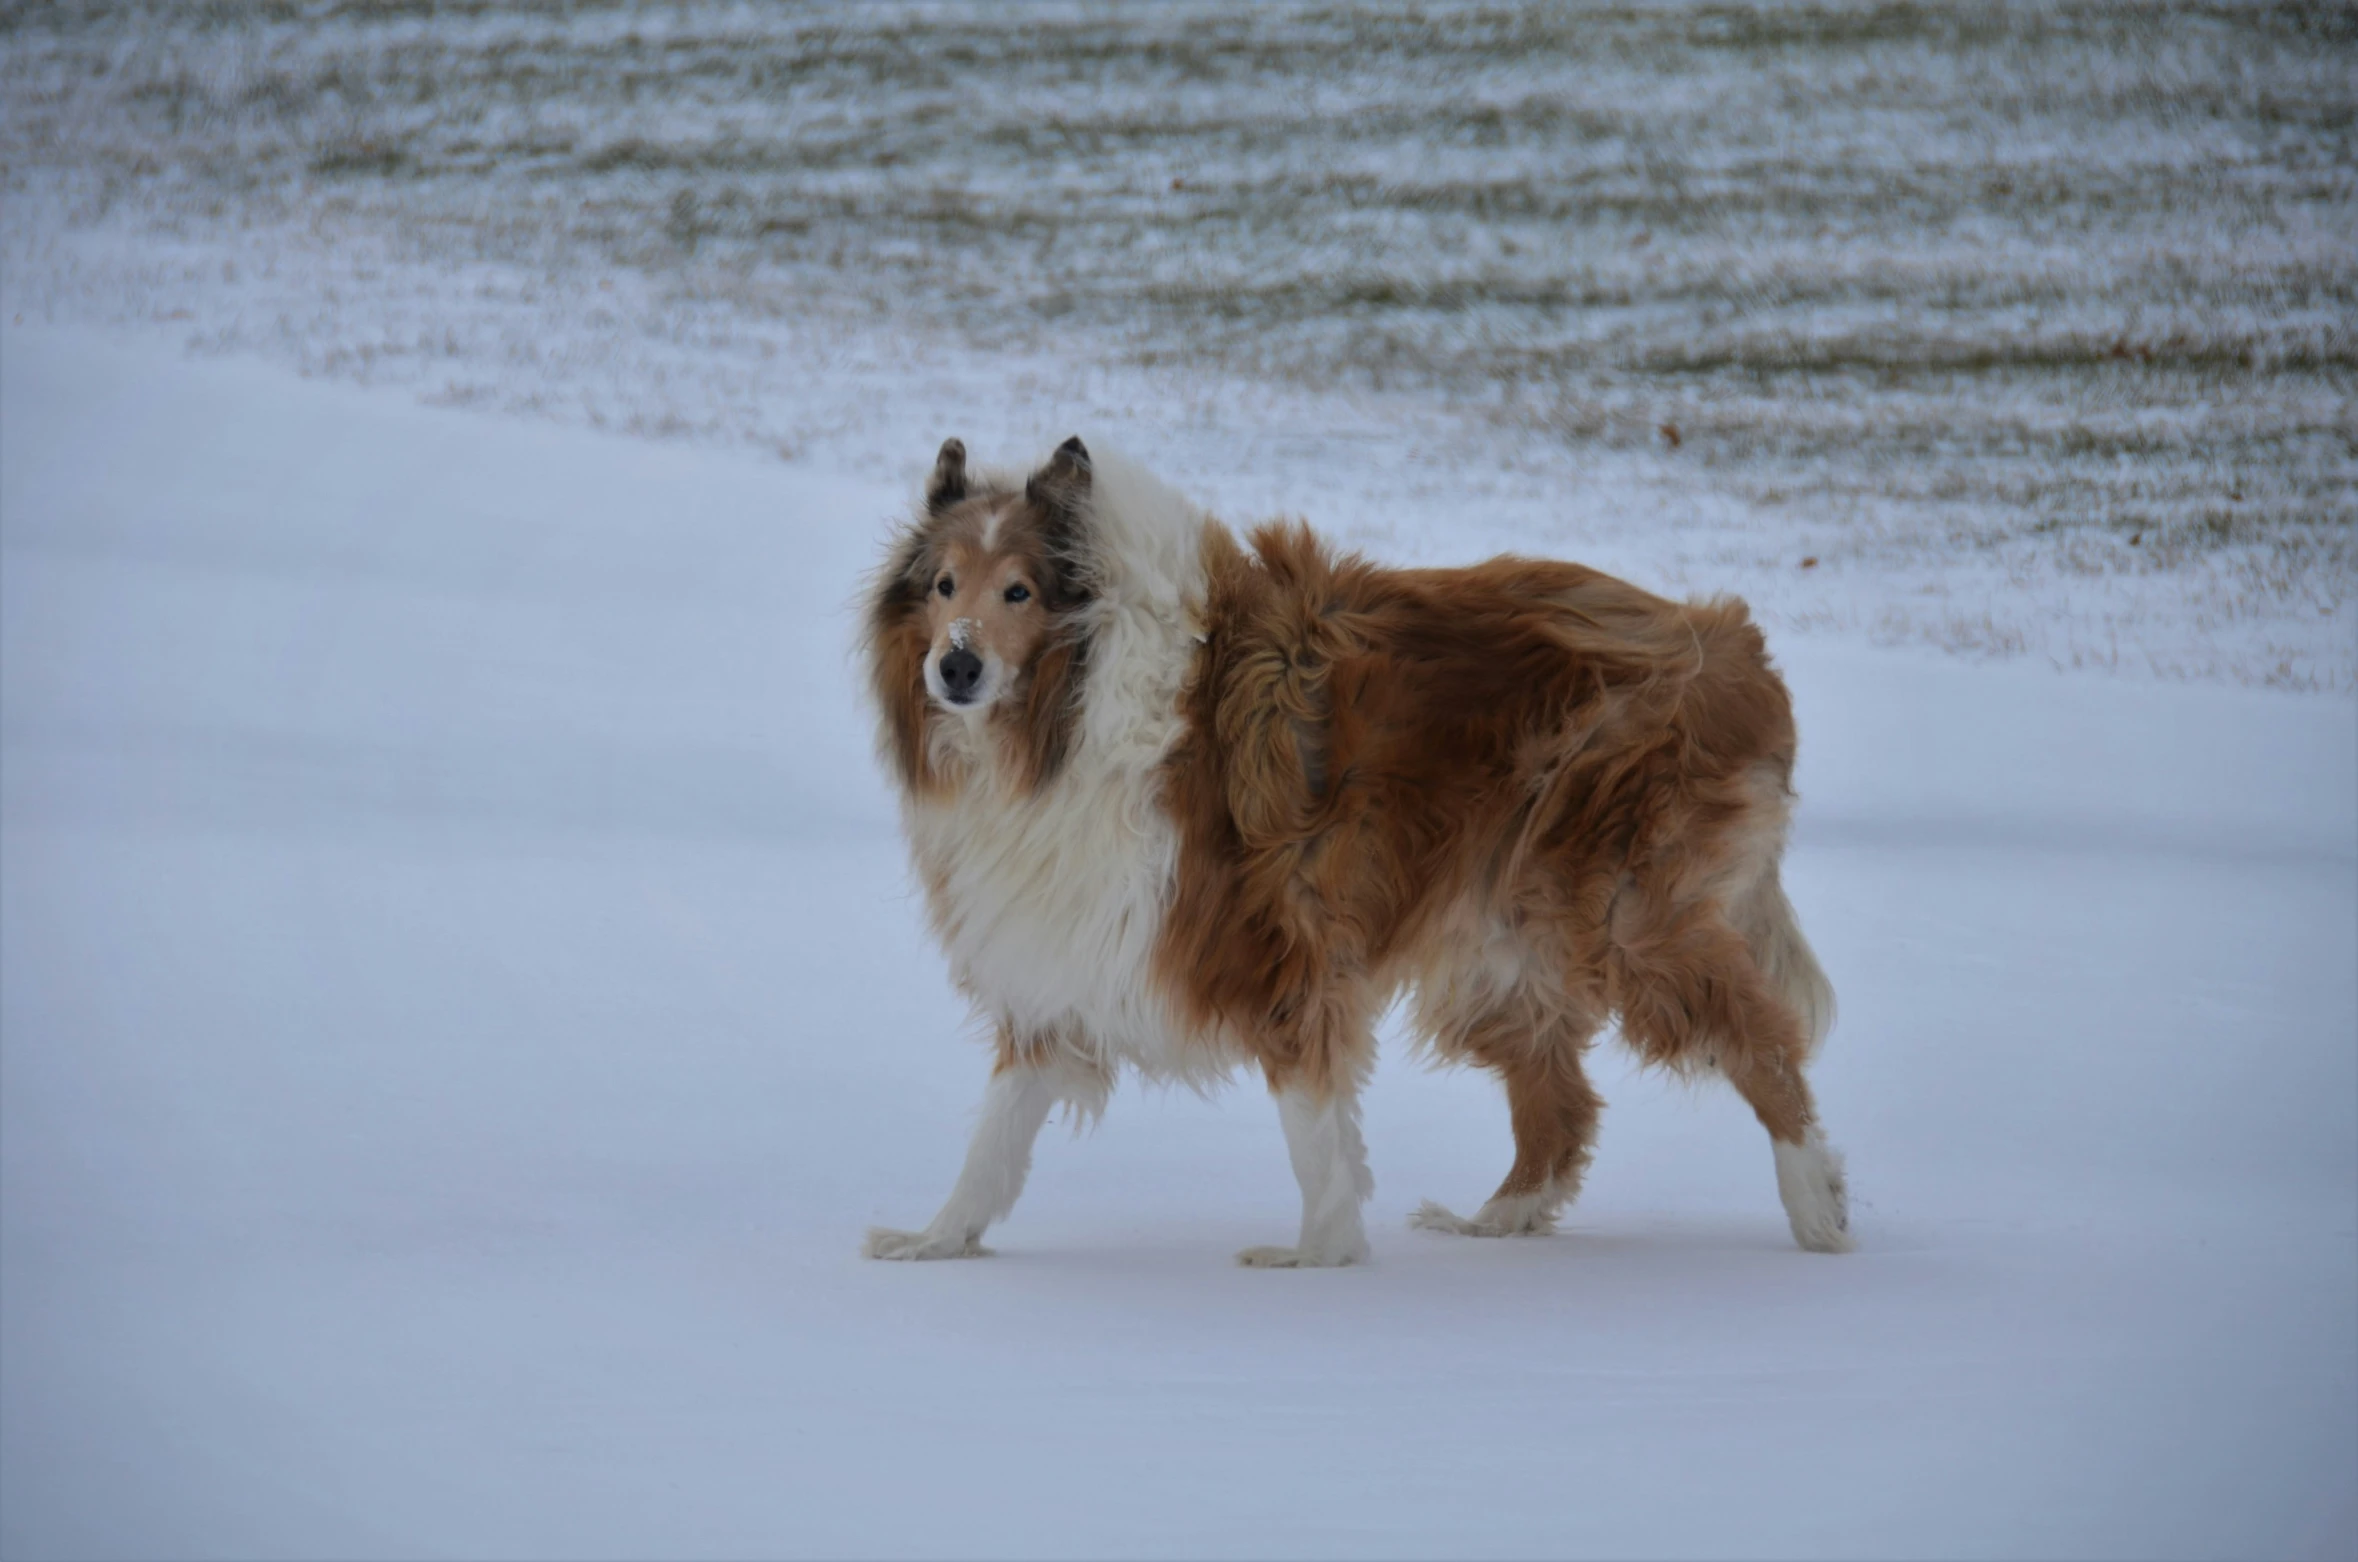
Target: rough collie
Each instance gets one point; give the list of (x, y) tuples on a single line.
[(1182, 804)]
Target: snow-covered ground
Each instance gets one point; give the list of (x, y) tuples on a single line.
[(460, 1004), (2024, 331)]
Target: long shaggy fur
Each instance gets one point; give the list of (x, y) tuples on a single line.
[(1224, 801)]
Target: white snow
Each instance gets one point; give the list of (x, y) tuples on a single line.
[(2021, 331), (461, 1005)]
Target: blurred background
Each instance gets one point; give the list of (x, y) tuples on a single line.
[(2018, 330)]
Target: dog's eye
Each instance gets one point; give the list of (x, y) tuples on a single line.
[(1019, 594), (946, 586)]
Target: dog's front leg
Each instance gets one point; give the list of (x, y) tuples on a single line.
[(1330, 1162), (1015, 1107)]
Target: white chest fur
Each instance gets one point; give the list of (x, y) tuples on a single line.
[(1049, 908)]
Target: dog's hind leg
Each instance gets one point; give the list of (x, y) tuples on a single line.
[(1811, 1181), (1692, 994), (1023, 1091), (1554, 1110), (1773, 933)]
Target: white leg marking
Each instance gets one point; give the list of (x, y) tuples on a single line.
[(1330, 1162), (1013, 1111), (1817, 1199), (1517, 1215)]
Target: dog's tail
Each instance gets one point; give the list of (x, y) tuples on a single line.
[(1766, 919)]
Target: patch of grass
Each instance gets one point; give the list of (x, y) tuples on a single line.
[(360, 158), (2049, 275)]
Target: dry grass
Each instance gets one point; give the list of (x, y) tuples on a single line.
[(2075, 282)]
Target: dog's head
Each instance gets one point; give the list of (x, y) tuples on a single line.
[(979, 617)]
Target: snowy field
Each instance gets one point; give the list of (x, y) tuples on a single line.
[(460, 1004), (2021, 331), (460, 997)]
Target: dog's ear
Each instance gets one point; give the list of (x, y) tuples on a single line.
[(948, 484), (1064, 482)]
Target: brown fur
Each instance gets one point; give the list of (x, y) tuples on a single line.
[(1528, 789)]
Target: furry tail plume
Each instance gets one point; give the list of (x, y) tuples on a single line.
[(1769, 926)]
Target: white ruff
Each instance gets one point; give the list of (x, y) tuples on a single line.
[(1049, 907)]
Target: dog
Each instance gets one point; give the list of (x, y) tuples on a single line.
[(1182, 804)]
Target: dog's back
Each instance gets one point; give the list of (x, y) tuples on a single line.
[(1367, 747)]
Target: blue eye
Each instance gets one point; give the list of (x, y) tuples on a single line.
[(946, 586), (1019, 594)]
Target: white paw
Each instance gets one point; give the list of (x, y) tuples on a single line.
[(1825, 1238), (1303, 1258), (883, 1242), (1525, 1216), (1810, 1180)]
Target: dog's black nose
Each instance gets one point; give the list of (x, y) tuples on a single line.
[(961, 671)]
